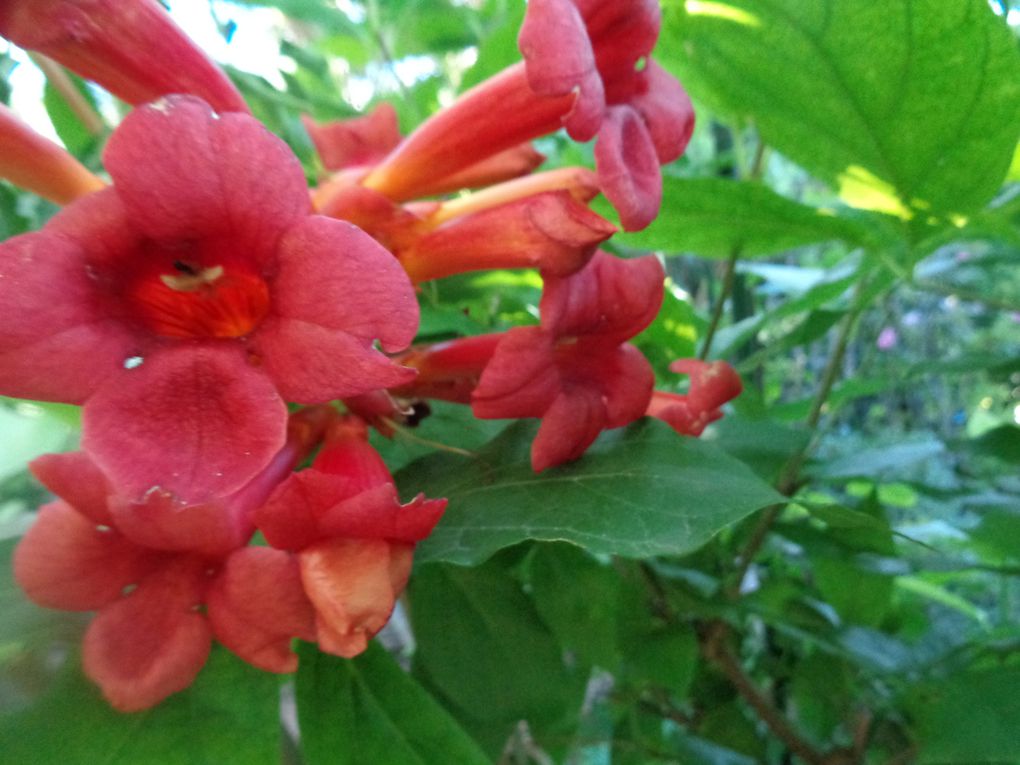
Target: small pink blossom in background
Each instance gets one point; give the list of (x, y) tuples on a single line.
[(887, 339)]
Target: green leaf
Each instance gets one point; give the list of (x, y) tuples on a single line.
[(315, 11), (665, 658), (906, 106), (78, 139), (368, 711), (229, 716), (860, 597), (881, 462), (1002, 443), (482, 644), (24, 625), (998, 533), (715, 217), (578, 598), (638, 492), (969, 718), (763, 444)]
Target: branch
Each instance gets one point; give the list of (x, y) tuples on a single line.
[(715, 648), (790, 476)]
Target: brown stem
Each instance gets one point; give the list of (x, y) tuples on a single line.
[(716, 649)]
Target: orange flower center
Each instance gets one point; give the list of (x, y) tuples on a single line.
[(192, 301)]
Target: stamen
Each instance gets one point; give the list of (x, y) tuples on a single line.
[(191, 279)]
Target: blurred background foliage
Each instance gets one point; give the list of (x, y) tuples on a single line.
[(844, 230)]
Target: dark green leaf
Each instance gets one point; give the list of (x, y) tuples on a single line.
[(1002, 443), (638, 492), (368, 711)]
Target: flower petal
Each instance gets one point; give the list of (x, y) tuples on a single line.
[(74, 477), (667, 111), (357, 141), (570, 425), (521, 380), (184, 172), (559, 60), (378, 514), (257, 606), (39, 165), (56, 341), (289, 520), (712, 383), (311, 364), (627, 383), (162, 521), (353, 584), (193, 419), (335, 275), (622, 32), (153, 642), (628, 167), (551, 231), (64, 561), (612, 298)]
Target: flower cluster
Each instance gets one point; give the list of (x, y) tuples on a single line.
[(186, 303)]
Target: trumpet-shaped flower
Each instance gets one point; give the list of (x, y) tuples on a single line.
[(351, 541), (575, 371), (130, 47), (184, 304), (587, 67), (148, 576)]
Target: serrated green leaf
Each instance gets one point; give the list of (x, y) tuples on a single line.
[(229, 716), (638, 492), (714, 217), (368, 711), (911, 107)]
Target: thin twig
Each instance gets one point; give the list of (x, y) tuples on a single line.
[(757, 165), (405, 433), (790, 476)]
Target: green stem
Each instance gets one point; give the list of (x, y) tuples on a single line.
[(754, 173), (790, 475)]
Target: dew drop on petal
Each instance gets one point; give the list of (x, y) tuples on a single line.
[(133, 362)]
